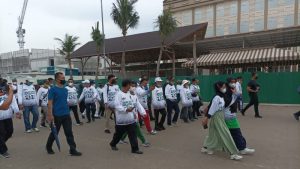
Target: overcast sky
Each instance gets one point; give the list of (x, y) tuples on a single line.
[(46, 19)]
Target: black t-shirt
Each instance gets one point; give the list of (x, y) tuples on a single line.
[(253, 85)]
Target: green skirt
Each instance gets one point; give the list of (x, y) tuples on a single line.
[(219, 137)]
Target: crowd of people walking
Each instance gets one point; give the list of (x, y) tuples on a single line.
[(129, 107)]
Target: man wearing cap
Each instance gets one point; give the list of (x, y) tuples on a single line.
[(109, 92), (89, 94), (172, 102), (28, 102), (159, 105)]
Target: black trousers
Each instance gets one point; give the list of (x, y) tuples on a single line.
[(238, 138), (81, 107), (170, 107), (160, 123), (196, 109), (253, 101), (90, 108), (6, 131), (66, 123), (101, 108), (131, 131), (75, 112)]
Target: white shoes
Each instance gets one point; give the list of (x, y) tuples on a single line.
[(153, 132), (123, 142), (36, 130), (247, 151), (28, 131), (205, 150), (236, 157)]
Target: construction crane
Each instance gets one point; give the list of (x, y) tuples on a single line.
[(20, 30)]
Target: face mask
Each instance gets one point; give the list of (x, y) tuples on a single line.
[(132, 89), (70, 84), (232, 85), (14, 83), (223, 90), (62, 82)]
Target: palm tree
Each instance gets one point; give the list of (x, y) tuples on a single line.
[(125, 16), (166, 25), (98, 39), (67, 46)]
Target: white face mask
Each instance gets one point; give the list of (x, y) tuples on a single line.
[(70, 84), (14, 83), (223, 90), (132, 89), (232, 85)]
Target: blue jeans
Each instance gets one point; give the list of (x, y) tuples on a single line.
[(26, 114), (240, 102)]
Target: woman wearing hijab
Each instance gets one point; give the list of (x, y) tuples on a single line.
[(219, 137), (231, 118)]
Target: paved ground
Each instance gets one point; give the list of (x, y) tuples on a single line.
[(276, 138)]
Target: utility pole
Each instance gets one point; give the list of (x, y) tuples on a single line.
[(103, 45)]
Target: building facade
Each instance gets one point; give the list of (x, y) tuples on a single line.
[(227, 17), (243, 18)]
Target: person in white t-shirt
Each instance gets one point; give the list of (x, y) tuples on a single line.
[(101, 100), (239, 91), (89, 94), (187, 102), (42, 97), (73, 100), (159, 105)]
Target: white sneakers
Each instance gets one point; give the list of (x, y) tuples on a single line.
[(247, 151), (36, 129), (30, 130), (236, 157), (153, 132), (205, 150)]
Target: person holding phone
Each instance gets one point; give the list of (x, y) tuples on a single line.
[(6, 117), (125, 118)]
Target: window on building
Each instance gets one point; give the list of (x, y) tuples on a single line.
[(187, 18), (259, 5), (51, 62), (289, 2), (245, 7), (220, 30), (288, 20), (244, 26), (198, 15), (210, 12), (209, 31), (272, 4), (233, 28), (272, 23), (233, 9), (259, 24), (220, 10)]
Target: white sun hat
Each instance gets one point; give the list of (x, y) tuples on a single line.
[(158, 79), (184, 82)]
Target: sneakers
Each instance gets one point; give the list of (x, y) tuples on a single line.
[(205, 150), (146, 144), (75, 153), (258, 116), (137, 152), (236, 157), (78, 124), (36, 130), (107, 131), (5, 155), (123, 142), (296, 116), (247, 151), (28, 131), (43, 125), (114, 148), (153, 132), (50, 151)]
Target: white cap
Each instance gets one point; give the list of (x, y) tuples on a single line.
[(184, 82), (86, 81), (158, 79)]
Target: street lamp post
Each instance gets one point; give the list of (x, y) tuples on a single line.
[(104, 51)]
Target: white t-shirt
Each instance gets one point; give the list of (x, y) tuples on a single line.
[(42, 95), (72, 96)]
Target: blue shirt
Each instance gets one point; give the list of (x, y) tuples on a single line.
[(59, 98)]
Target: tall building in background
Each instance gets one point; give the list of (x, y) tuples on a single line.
[(241, 25), (227, 17)]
